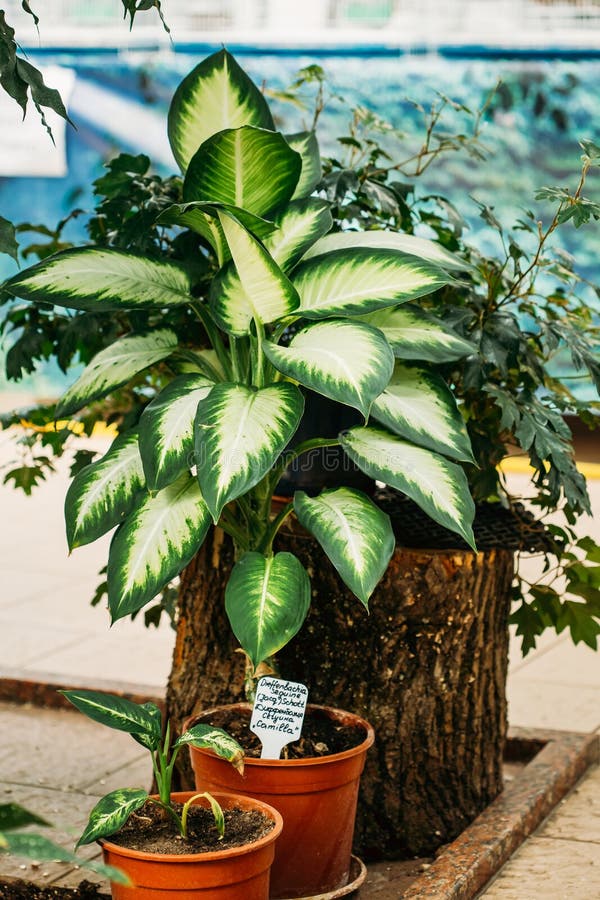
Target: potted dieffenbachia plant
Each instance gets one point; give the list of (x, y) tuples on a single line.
[(182, 844), (224, 327)]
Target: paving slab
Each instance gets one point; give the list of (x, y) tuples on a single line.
[(578, 816), (534, 703), (567, 664), (549, 869), (24, 643), (137, 655), (59, 748)]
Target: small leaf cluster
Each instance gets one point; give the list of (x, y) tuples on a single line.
[(144, 723), (523, 309)]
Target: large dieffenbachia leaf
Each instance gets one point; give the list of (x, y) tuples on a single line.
[(346, 361), (240, 433), (216, 95), (167, 429), (266, 599), (359, 280), (439, 487), (413, 334), (262, 292), (247, 167), (418, 405), (390, 240), (202, 218), (102, 280), (354, 533), (103, 493), (305, 143), (111, 813), (154, 543), (114, 366), (141, 720)]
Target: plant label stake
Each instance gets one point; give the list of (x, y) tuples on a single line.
[(278, 714)]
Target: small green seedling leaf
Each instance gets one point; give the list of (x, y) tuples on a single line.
[(111, 813), (216, 811)]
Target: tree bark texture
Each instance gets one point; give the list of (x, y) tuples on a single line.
[(427, 667)]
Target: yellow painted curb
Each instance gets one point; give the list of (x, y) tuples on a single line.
[(101, 429), (518, 465)]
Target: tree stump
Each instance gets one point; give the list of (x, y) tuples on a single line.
[(427, 667)]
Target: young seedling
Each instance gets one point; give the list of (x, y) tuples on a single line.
[(144, 723)]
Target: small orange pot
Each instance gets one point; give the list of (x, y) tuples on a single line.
[(240, 873), (317, 798)]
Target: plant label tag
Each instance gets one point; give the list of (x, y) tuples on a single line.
[(278, 714)]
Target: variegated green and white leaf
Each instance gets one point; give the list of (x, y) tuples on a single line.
[(354, 533), (305, 143), (419, 406), (102, 280), (217, 94), (209, 738), (111, 813), (301, 223), (154, 543), (390, 240), (266, 599), (114, 366), (167, 429), (355, 281), (103, 493), (262, 292), (413, 334), (240, 433), (202, 218), (438, 486), (116, 712), (38, 847), (346, 361), (247, 167)]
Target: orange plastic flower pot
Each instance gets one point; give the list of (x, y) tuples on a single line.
[(239, 873), (317, 798)]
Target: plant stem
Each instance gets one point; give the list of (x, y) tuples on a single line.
[(236, 367), (266, 544), (213, 334), (259, 360), (169, 809), (231, 528)]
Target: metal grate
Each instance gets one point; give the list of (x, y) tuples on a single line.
[(494, 526)]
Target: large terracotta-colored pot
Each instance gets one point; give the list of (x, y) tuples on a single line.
[(240, 873), (317, 798)]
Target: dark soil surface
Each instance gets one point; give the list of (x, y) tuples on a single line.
[(321, 735), (149, 831), (24, 890)]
